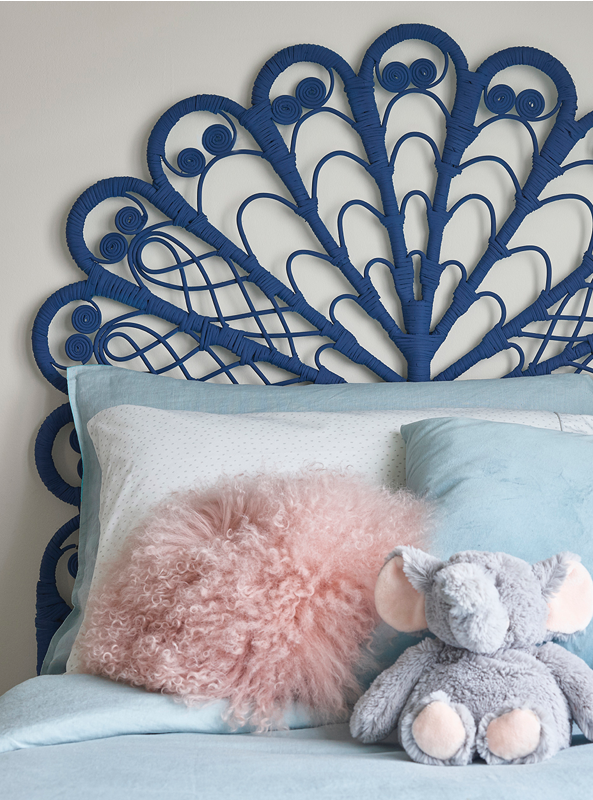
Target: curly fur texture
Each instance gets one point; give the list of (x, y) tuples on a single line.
[(256, 590)]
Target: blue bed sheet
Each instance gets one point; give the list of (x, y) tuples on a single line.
[(320, 763)]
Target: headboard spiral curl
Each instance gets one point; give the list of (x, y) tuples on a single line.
[(169, 258)]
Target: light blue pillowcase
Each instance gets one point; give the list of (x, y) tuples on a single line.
[(93, 388), (509, 488), (56, 709)]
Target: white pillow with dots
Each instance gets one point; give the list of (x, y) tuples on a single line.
[(146, 454)]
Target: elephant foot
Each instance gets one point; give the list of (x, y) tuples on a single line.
[(437, 731), (514, 736)]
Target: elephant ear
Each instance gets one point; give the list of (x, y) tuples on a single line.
[(568, 589), (399, 592)]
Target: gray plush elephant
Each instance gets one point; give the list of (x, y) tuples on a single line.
[(492, 682)]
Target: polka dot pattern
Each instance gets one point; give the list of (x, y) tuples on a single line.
[(576, 423)]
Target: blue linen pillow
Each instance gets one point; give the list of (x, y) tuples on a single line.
[(93, 388), (504, 487)]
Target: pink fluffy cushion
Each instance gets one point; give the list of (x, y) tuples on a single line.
[(257, 590)]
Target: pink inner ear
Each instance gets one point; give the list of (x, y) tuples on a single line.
[(571, 610), (396, 600)]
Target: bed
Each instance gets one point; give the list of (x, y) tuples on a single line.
[(209, 340)]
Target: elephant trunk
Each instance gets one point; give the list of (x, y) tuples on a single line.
[(477, 619)]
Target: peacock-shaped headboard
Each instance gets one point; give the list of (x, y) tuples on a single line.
[(411, 221)]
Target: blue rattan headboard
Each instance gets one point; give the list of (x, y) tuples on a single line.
[(274, 331)]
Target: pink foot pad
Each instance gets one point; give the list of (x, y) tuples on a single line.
[(513, 735), (438, 730)]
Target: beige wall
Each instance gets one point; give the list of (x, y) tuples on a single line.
[(82, 85)]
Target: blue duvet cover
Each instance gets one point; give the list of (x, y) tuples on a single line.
[(86, 738)]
